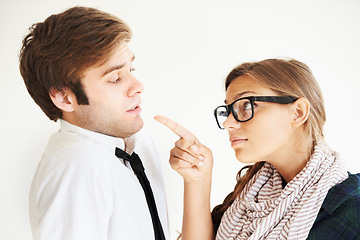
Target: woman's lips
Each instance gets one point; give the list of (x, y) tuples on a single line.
[(237, 141)]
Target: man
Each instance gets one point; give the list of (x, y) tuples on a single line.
[(78, 68)]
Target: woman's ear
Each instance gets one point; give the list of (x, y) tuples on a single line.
[(301, 111), (64, 99)]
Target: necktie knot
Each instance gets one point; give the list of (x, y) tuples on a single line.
[(133, 159)]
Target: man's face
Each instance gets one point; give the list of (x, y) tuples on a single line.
[(114, 97)]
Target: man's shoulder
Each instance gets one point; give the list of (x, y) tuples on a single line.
[(62, 141), (69, 149)]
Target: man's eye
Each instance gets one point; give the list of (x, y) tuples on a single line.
[(115, 81)]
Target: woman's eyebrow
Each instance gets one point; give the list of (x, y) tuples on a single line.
[(239, 95)]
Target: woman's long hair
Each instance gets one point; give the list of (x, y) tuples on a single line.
[(287, 78)]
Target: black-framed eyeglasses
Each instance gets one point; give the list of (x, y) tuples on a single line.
[(243, 108)]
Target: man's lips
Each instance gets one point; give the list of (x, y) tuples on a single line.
[(135, 109)]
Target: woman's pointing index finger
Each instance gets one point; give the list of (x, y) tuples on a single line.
[(177, 128)]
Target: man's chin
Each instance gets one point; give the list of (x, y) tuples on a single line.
[(133, 130)]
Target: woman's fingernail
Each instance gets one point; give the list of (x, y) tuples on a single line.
[(195, 148)]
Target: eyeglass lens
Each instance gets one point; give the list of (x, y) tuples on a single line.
[(241, 108)]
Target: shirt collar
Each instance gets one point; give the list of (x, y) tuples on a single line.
[(338, 194), (127, 144)]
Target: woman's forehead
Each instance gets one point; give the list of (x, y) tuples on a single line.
[(245, 86)]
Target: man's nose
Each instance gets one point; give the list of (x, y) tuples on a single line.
[(136, 87)]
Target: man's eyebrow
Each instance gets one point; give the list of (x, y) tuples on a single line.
[(239, 95), (113, 68)]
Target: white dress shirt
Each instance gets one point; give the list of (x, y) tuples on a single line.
[(81, 190)]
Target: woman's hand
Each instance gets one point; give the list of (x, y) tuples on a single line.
[(192, 160)]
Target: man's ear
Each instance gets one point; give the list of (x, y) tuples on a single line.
[(301, 111), (64, 99)]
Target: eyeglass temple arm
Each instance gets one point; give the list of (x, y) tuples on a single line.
[(276, 99)]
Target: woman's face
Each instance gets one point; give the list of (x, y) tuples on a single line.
[(268, 135)]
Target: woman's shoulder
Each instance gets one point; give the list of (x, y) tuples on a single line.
[(339, 216), (343, 200), (344, 193)]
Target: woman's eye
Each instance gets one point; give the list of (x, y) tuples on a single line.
[(132, 69), (247, 106)]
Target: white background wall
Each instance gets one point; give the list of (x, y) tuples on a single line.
[(184, 50)]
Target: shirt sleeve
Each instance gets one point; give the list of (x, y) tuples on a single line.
[(72, 196)]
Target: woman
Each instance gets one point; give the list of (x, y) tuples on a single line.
[(297, 188)]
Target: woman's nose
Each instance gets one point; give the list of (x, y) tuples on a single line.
[(231, 123)]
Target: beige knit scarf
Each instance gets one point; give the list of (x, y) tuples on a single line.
[(264, 210)]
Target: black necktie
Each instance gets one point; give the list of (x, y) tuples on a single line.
[(138, 169)]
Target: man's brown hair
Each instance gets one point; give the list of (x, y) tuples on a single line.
[(57, 52)]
